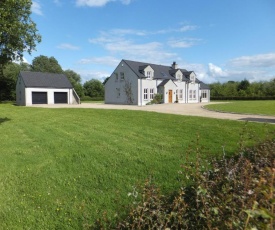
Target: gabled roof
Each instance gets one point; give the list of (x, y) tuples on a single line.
[(164, 82), (45, 80), (160, 71)]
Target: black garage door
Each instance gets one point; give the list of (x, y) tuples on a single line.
[(60, 97), (39, 98)]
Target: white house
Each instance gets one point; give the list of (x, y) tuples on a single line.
[(44, 88), (137, 82)]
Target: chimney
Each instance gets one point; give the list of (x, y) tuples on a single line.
[(175, 65)]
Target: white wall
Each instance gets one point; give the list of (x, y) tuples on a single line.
[(50, 94)]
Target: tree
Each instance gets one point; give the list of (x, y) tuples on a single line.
[(46, 64), (93, 88), (75, 79), (18, 32), (244, 84), (9, 78)]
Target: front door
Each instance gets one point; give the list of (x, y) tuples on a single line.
[(170, 96)]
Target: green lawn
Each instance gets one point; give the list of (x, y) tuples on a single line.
[(60, 168), (249, 107)]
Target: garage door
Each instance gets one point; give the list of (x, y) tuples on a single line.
[(60, 97), (39, 98)]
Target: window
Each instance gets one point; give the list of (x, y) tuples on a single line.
[(192, 95), (116, 74), (122, 77), (148, 74), (204, 94), (117, 92), (181, 94), (145, 94), (179, 77), (151, 94), (192, 79)]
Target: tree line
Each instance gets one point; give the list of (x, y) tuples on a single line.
[(243, 90), (90, 89)]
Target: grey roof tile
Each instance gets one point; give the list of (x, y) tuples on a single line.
[(45, 80)]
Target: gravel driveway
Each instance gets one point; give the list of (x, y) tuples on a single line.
[(181, 109)]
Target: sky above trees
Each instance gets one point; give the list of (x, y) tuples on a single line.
[(222, 41)]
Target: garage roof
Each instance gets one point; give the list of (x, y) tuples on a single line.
[(45, 80)]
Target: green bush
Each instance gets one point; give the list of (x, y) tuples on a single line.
[(225, 193)]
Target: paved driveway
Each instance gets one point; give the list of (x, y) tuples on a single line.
[(181, 109)]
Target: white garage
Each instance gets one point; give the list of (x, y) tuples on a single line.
[(44, 88)]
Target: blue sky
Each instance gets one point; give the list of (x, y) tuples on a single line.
[(220, 40)]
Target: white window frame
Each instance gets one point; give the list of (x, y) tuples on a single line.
[(194, 94), (145, 94), (204, 94), (190, 94), (179, 77), (151, 94), (180, 94), (148, 74)]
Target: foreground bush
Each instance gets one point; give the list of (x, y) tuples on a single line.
[(227, 193)]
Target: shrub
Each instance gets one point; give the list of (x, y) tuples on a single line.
[(225, 193)]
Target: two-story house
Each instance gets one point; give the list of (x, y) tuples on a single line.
[(137, 83)]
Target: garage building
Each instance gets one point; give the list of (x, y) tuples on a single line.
[(44, 88)]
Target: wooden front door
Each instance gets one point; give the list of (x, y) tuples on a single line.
[(170, 96)]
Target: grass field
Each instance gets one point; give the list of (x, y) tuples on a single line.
[(60, 168), (249, 107)]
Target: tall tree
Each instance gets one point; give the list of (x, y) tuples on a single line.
[(75, 79), (9, 78), (18, 32), (93, 88), (46, 64)]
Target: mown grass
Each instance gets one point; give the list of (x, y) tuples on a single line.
[(61, 168), (248, 107)]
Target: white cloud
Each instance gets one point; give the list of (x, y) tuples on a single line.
[(183, 43), (187, 28), (87, 75), (99, 3), (106, 61), (36, 8), (67, 46), (260, 60), (215, 71)]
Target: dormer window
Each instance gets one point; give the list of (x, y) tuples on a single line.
[(147, 71), (149, 74), (192, 78), (179, 77)]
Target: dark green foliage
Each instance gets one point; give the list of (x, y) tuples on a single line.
[(157, 99), (75, 80), (46, 64), (224, 193), (18, 32), (244, 90), (93, 88), (8, 80)]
